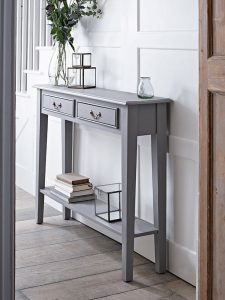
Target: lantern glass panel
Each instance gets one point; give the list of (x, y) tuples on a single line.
[(89, 77), (108, 202), (72, 76), (82, 60), (82, 78)]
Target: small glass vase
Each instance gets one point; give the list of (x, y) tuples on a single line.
[(145, 89), (60, 61)]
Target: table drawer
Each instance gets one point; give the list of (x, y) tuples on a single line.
[(58, 105), (107, 116)]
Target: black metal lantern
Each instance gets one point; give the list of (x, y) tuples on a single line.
[(81, 60), (81, 75), (108, 202), (81, 78)]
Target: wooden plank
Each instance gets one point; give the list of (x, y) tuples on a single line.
[(29, 214), (24, 202), (70, 269), (54, 236), (98, 285), (54, 222), (177, 289), (218, 267), (20, 296), (216, 74), (212, 150), (65, 251), (205, 154), (87, 210)]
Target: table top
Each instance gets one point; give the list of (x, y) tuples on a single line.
[(112, 96)]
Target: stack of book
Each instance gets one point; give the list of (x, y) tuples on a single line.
[(73, 188)]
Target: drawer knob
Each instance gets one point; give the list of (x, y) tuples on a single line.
[(95, 116), (57, 106)]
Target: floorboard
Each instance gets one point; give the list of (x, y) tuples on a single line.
[(65, 260)]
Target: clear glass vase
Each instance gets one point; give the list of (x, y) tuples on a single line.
[(145, 88), (60, 61)]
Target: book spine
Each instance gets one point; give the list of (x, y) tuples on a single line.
[(82, 199), (71, 182), (71, 188), (74, 194)]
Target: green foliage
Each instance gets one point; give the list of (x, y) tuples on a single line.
[(65, 14)]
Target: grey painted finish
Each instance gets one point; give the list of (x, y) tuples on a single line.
[(109, 96), (7, 149), (67, 155), (140, 118), (41, 149), (58, 105), (146, 113), (97, 113), (129, 159), (87, 210), (159, 152)]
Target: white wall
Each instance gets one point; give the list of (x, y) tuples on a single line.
[(157, 38)]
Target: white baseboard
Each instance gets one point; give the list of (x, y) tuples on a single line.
[(182, 262), (25, 179)]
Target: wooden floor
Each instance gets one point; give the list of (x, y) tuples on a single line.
[(65, 260)]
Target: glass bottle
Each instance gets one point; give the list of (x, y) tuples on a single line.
[(145, 89)]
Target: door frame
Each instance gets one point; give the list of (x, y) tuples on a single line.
[(205, 155), (7, 149)]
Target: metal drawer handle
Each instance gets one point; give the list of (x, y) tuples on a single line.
[(96, 117), (57, 107)]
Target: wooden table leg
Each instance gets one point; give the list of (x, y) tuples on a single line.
[(42, 131), (129, 158), (159, 151), (67, 148)]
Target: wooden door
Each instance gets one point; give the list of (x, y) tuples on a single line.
[(212, 150)]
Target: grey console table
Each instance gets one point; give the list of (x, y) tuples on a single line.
[(124, 114)]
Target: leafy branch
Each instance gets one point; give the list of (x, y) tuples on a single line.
[(65, 14)]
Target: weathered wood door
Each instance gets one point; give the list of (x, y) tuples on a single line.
[(212, 150)]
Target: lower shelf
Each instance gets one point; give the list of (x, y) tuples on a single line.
[(87, 209)]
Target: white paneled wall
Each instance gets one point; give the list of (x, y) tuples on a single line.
[(157, 38)]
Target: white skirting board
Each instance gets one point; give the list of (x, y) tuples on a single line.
[(25, 179)]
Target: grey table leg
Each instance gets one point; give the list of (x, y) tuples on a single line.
[(159, 151), (42, 130), (67, 146), (129, 158)]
